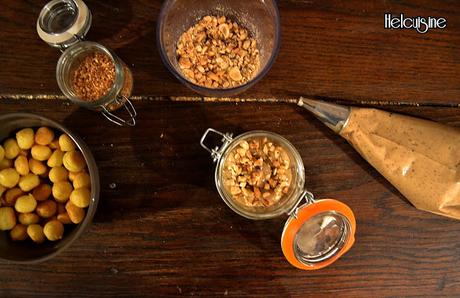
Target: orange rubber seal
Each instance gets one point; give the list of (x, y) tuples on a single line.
[(305, 213)]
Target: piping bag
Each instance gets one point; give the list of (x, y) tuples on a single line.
[(421, 158)]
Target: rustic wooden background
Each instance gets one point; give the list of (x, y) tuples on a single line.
[(164, 231)]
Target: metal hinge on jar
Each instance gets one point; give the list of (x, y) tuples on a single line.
[(309, 198), (129, 107), (216, 153)]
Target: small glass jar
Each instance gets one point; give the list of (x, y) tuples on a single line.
[(64, 24), (317, 232), (116, 97)]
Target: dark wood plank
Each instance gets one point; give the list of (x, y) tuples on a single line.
[(164, 231), (335, 49)]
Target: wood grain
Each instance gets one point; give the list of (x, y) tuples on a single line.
[(335, 49), (161, 228), (164, 231)]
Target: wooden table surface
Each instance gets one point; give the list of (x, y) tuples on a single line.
[(161, 228)]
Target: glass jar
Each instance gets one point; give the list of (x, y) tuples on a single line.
[(317, 232), (118, 94), (64, 24)]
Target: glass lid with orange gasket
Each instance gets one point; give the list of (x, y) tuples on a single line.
[(318, 233), (260, 175)]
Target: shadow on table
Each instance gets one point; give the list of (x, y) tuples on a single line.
[(166, 143), (155, 165), (159, 166), (110, 19)]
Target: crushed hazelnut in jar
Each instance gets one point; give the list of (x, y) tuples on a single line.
[(260, 175), (258, 172), (94, 76), (218, 53)]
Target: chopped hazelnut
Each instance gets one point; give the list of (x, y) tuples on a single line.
[(217, 53), (235, 74), (255, 175)]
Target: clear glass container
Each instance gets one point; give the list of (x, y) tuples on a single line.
[(260, 17), (317, 232), (64, 24), (116, 97), (286, 203)]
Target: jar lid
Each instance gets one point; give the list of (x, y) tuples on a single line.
[(62, 23), (318, 233)]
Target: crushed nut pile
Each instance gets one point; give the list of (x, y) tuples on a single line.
[(94, 77), (257, 173), (218, 53)]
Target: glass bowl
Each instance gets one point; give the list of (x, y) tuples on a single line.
[(27, 251), (260, 17)]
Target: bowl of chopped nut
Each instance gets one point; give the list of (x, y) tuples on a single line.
[(219, 48)]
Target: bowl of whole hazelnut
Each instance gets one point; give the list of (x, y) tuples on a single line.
[(49, 188), (219, 48)]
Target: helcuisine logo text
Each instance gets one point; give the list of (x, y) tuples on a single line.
[(421, 24)]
